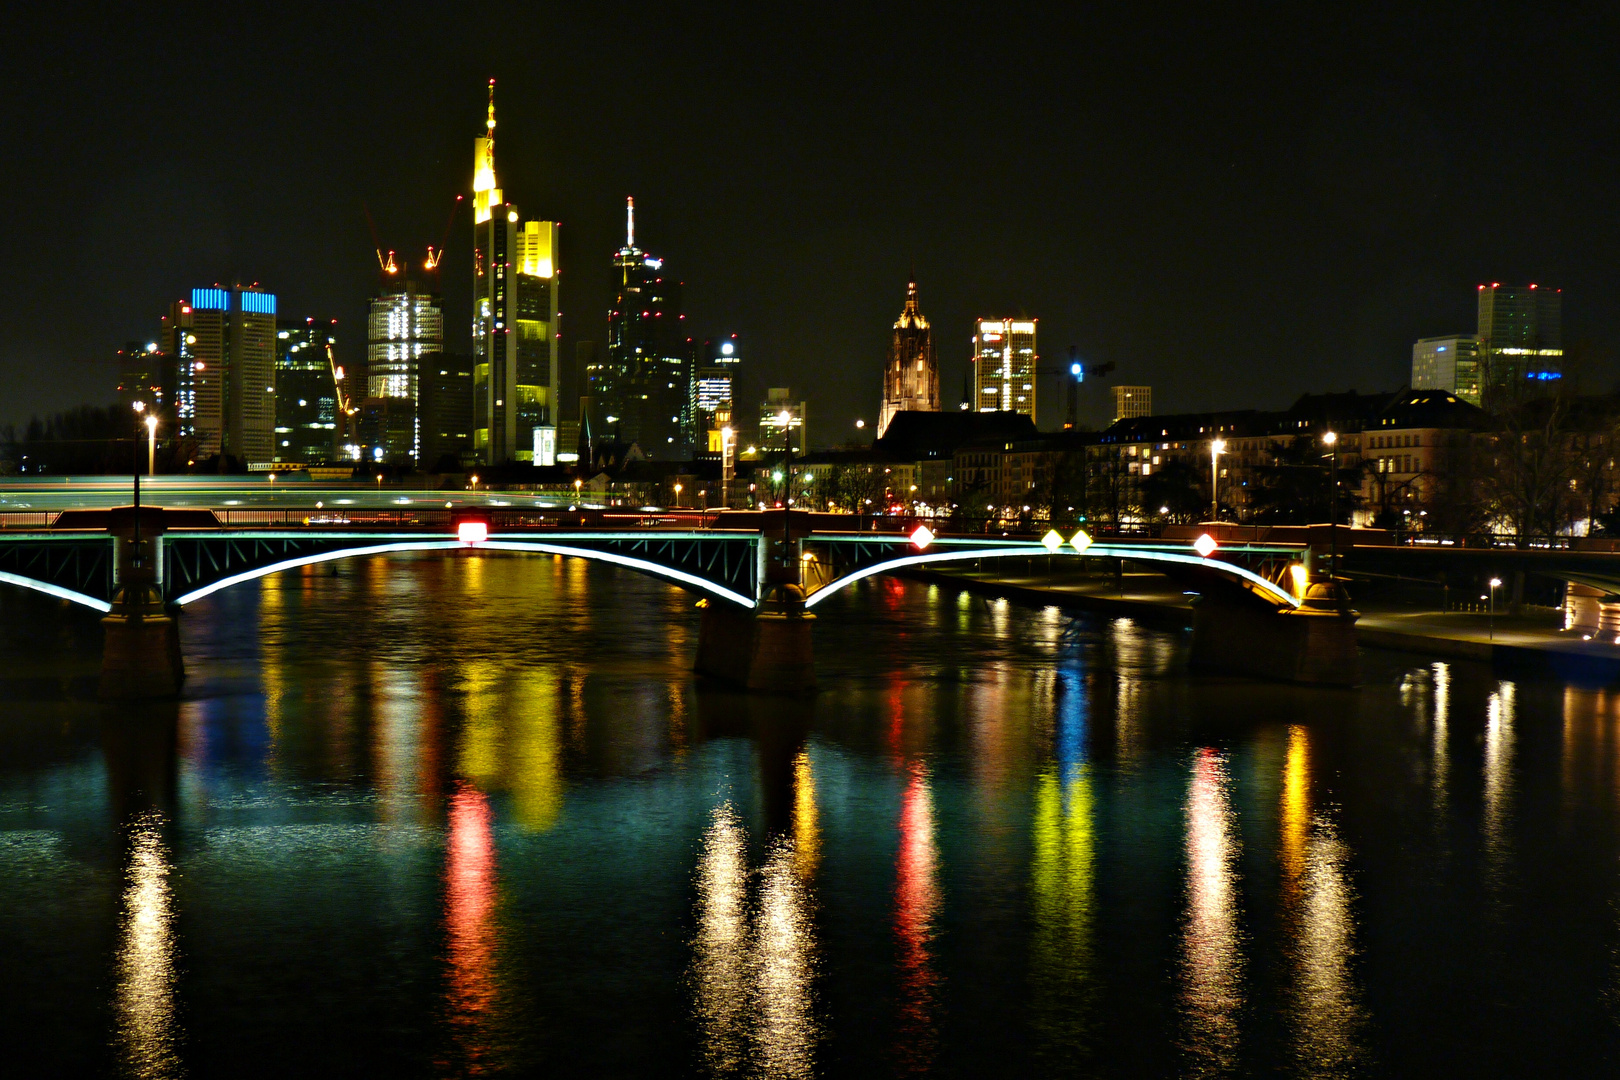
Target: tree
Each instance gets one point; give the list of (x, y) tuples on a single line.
[(1175, 492)]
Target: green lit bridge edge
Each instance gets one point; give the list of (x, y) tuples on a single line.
[(940, 550)]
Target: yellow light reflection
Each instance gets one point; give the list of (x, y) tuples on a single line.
[(512, 739), (1211, 958), (1325, 1013), (1062, 884), (806, 827), (148, 1035)]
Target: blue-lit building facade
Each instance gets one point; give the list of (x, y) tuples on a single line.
[(224, 345)]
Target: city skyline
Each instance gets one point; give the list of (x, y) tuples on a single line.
[(1294, 192)]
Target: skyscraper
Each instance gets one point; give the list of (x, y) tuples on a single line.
[(1004, 366), (516, 368), (643, 387), (911, 379), (306, 393), (404, 332), (1521, 340), (1448, 363), (224, 344), (713, 391), (444, 409)]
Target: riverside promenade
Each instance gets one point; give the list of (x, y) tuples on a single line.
[(1530, 643)]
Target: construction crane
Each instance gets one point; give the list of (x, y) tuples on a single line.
[(346, 411), (1077, 372)]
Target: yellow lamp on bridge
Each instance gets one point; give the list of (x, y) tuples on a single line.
[(1052, 541), (1080, 541)]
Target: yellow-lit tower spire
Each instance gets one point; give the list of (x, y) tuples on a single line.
[(486, 195)]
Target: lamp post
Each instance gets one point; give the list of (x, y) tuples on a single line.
[(1217, 447), (1332, 440), (677, 496), (151, 444), (1496, 583)]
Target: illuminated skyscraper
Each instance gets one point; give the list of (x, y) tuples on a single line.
[(224, 344), (306, 394), (911, 379), (405, 330), (1004, 366), (516, 368), (1448, 363), (642, 388), (1521, 340), (713, 391)]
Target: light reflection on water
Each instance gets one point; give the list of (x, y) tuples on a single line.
[(148, 1033), (753, 958), (1325, 1013), (999, 840), (1212, 958)]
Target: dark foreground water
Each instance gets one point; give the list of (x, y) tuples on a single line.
[(473, 815)]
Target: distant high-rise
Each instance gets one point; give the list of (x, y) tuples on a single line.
[(779, 412), (224, 344), (306, 394), (1132, 401), (404, 332), (444, 409), (911, 379), (1004, 366), (713, 391), (516, 362), (642, 386), (1521, 339), (1448, 363), (146, 376)]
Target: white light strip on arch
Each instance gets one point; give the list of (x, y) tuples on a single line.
[(443, 545), (310, 560), (643, 565), (1259, 582), (56, 591)]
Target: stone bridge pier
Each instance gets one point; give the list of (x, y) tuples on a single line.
[(1236, 632), (141, 655), (769, 647)]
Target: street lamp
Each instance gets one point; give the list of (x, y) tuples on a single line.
[(677, 496), (1216, 448), (1496, 583), (151, 444), (1331, 438)]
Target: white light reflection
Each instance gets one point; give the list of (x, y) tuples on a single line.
[(1440, 774), (721, 952), (1212, 962), (752, 971), (148, 1035), (1499, 718)]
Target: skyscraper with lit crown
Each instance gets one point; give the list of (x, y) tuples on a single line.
[(642, 386), (516, 361), (224, 344), (911, 379)]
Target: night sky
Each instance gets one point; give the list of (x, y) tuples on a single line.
[(1234, 204)]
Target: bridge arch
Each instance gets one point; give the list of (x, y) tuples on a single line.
[(1266, 590), (57, 591), (644, 566)]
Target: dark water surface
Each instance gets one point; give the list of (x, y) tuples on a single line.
[(447, 816)]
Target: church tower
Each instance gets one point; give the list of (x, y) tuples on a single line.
[(911, 379)]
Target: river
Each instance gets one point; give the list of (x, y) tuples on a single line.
[(474, 816)]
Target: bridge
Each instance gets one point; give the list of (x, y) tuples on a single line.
[(760, 574)]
